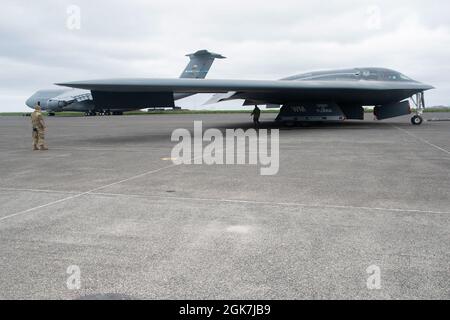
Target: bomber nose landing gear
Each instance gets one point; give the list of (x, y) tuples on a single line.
[(417, 120), (419, 101)]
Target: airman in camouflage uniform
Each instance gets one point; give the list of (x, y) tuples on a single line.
[(38, 123)]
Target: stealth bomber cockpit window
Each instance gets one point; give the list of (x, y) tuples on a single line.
[(405, 78), (328, 75), (370, 75), (395, 76), (383, 75), (390, 76)]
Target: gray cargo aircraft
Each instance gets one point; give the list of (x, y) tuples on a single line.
[(59, 100), (334, 95)]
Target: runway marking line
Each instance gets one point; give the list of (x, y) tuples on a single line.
[(89, 192), (287, 204), (93, 191), (38, 190), (422, 139), (85, 193)]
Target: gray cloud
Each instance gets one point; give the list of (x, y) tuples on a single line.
[(265, 40)]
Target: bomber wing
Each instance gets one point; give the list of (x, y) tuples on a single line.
[(269, 91)]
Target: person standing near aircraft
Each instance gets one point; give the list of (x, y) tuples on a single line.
[(256, 115), (37, 121)]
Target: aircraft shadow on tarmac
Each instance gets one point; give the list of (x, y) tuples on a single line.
[(164, 137), (132, 139), (301, 126)]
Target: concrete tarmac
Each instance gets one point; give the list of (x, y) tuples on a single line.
[(107, 199)]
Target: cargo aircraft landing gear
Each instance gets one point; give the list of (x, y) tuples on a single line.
[(419, 101), (93, 113), (90, 113)]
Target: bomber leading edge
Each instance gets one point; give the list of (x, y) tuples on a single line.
[(316, 96)]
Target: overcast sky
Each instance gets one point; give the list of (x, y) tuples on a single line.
[(41, 43)]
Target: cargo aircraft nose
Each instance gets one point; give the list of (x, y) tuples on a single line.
[(31, 102)]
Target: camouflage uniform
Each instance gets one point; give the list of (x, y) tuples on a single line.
[(38, 131)]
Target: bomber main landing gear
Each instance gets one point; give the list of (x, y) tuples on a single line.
[(419, 101)]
